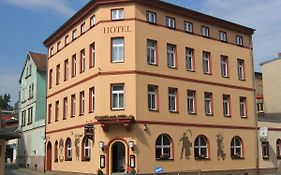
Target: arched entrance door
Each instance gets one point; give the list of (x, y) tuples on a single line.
[(118, 157), (49, 157)]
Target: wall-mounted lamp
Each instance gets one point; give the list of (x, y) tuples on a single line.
[(131, 145), (101, 145), (144, 127)]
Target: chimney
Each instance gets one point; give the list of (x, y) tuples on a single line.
[(279, 55)]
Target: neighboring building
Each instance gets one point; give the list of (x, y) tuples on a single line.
[(259, 93), (32, 111), (8, 138), (141, 84), (270, 121)]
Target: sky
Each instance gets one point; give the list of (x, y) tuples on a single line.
[(25, 24)]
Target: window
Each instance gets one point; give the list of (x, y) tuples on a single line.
[(265, 150), (226, 105), (201, 147), (152, 98), (66, 70), (30, 116), (189, 54), (208, 103), (82, 61), (151, 52), (50, 78), (57, 111), (278, 148), (236, 148), (92, 99), (173, 95), (171, 55), (163, 147), (83, 28), (223, 36), (73, 105), (170, 22), (86, 149), (68, 150), (117, 14), (74, 64), (49, 113), (51, 51), (66, 40), (58, 75), (92, 55), (58, 46), (188, 27), (56, 151), (205, 31), (74, 34), (117, 50), (117, 92), (241, 69), (82, 103), (151, 17), (191, 99), (27, 72), (206, 63), (259, 107), (243, 107), (239, 40), (224, 66), (65, 108), (93, 21), (23, 118)]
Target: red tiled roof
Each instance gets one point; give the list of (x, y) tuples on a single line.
[(40, 60)]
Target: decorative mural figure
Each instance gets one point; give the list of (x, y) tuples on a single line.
[(186, 145), (220, 145), (77, 145), (61, 155)]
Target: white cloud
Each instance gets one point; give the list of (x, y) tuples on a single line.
[(58, 6)]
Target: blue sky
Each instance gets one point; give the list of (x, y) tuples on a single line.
[(25, 24)]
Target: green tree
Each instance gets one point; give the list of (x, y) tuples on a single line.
[(4, 102)]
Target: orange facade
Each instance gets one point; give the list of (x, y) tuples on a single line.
[(158, 86)]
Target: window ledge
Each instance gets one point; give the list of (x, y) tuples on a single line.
[(174, 112), (153, 110), (192, 113), (68, 159), (209, 115)]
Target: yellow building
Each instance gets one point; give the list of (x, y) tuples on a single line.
[(147, 86)]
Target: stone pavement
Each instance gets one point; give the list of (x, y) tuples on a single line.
[(12, 169)]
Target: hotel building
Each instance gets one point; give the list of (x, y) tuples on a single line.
[(147, 86)]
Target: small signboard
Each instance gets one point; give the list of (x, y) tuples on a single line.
[(89, 131), (158, 170), (264, 134)]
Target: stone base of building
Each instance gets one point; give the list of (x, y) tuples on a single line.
[(35, 163), (269, 171)]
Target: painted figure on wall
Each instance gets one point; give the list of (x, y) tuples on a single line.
[(186, 145), (220, 145), (77, 145)]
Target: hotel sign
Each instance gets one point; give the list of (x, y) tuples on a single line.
[(89, 131), (117, 29)]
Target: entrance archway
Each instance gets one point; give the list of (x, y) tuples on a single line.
[(49, 157), (118, 157)]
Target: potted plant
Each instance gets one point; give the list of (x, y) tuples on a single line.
[(201, 156), (100, 172)]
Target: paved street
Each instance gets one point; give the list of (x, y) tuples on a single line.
[(11, 169)]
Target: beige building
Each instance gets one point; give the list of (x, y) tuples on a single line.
[(269, 122), (147, 86)]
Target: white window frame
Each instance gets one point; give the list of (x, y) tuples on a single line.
[(83, 61), (205, 31), (92, 99), (201, 146), (151, 51), (239, 40), (93, 21), (58, 74), (117, 14), (151, 17), (87, 147), (188, 27), (224, 66), (66, 40), (82, 103), (73, 105), (189, 55), (171, 55), (74, 34), (119, 48), (243, 107), (66, 69), (172, 99), (208, 103), (152, 98), (65, 108), (226, 105), (74, 66), (206, 62), (118, 94), (191, 97), (83, 28), (162, 146), (170, 22), (241, 69), (234, 145), (69, 149), (223, 36), (93, 54)]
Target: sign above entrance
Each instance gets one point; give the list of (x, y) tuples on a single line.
[(89, 131), (117, 29)]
